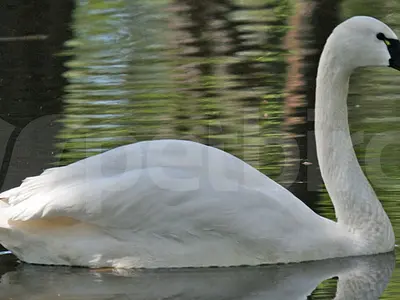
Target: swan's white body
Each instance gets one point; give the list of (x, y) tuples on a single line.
[(172, 203)]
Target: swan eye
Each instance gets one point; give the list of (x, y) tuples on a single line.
[(381, 36)]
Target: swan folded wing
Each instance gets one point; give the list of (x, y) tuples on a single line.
[(245, 216), (4, 215), (166, 182)]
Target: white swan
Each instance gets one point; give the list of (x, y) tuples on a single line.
[(171, 203)]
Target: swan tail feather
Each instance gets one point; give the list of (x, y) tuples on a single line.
[(30, 187), (4, 215), (6, 195)]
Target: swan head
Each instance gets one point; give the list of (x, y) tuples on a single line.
[(365, 41)]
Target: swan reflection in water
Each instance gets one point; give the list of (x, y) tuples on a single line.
[(359, 278)]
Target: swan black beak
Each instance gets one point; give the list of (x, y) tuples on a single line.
[(394, 50)]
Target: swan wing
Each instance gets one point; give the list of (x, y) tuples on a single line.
[(147, 186)]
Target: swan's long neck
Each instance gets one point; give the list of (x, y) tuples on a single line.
[(355, 202)]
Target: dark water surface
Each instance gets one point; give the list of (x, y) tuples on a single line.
[(358, 278), (78, 78)]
